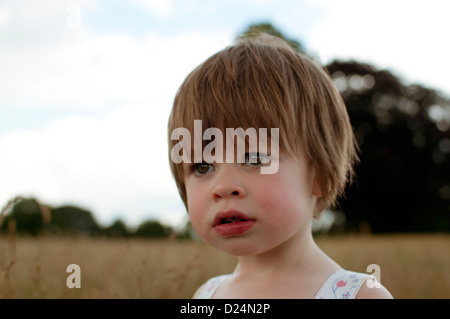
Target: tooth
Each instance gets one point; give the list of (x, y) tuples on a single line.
[(232, 219)]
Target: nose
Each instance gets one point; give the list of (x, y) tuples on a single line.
[(228, 183)]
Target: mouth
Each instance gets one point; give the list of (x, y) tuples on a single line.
[(232, 223)]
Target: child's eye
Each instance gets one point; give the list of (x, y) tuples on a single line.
[(256, 159), (202, 168)]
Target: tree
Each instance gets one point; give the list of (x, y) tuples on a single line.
[(73, 220), (268, 28), (404, 168), (117, 229), (28, 214), (152, 229)]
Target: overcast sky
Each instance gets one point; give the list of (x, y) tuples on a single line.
[(86, 86)]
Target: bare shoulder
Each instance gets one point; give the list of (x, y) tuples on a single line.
[(379, 292), (198, 291)]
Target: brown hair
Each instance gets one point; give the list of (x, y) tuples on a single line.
[(262, 82)]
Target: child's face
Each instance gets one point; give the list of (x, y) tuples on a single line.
[(236, 209)]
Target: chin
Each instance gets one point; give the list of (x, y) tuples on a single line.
[(239, 248)]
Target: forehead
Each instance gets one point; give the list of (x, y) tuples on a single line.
[(237, 87)]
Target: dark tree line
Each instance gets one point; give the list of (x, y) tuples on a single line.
[(26, 216), (403, 179)]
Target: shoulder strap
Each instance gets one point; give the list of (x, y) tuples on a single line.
[(342, 284), (208, 289)]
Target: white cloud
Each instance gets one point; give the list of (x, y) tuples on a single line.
[(26, 23), (408, 37), (107, 165), (89, 71), (5, 15), (45, 62), (159, 7)]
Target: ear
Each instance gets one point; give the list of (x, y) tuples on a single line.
[(317, 189)]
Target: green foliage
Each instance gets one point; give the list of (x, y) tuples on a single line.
[(268, 28), (404, 169), (27, 217), (117, 229), (152, 229), (74, 221)]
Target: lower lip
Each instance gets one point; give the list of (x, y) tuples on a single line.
[(234, 229)]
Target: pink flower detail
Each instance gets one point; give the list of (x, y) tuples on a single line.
[(341, 283)]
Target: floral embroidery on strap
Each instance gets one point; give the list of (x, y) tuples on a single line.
[(346, 288), (342, 284)]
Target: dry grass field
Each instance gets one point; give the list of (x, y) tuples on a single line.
[(412, 266)]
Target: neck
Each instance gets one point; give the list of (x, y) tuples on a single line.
[(298, 254)]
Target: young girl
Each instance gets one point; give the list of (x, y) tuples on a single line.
[(265, 218)]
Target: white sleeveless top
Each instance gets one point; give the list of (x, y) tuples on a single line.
[(342, 284)]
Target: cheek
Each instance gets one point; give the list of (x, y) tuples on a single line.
[(196, 206), (284, 205)]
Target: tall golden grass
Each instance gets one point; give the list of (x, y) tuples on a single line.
[(412, 266)]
